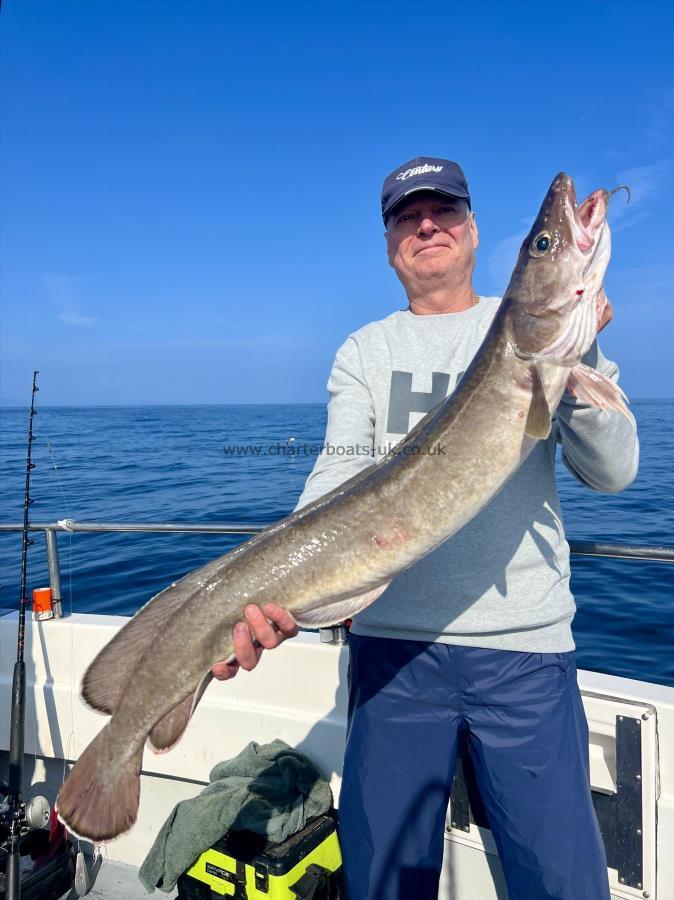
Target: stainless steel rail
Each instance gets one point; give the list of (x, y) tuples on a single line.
[(657, 553), (69, 525), (622, 551)]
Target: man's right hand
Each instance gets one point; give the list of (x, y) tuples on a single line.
[(264, 628)]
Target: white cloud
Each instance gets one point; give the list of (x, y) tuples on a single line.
[(62, 291), (648, 277), (643, 181), (616, 155), (629, 222), (70, 317), (659, 115), (274, 340), (598, 103), (502, 259)]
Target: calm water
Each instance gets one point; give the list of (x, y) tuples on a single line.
[(168, 464)]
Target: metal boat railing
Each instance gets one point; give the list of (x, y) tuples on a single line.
[(51, 529)]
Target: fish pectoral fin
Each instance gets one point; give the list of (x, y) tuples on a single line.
[(539, 419), (590, 386), (332, 613), (168, 731)]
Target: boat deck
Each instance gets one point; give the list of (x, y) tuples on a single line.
[(115, 881)]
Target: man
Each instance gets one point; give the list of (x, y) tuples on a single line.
[(476, 637)]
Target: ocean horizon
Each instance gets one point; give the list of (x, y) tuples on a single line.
[(26, 405)]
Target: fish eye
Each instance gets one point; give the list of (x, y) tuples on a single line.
[(540, 244)]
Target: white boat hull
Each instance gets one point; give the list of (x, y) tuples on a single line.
[(298, 693)]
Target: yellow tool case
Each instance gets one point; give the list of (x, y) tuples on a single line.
[(243, 865)]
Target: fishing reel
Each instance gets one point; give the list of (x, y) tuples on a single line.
[(47, 861), (33, 815)]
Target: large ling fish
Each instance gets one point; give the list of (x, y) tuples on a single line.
[(333, 558)]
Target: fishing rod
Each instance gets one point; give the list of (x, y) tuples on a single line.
[(17, 728), (29, 827)]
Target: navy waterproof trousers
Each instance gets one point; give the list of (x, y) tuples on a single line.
[(527, 734)]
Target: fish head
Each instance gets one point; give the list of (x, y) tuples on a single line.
[(555, 295)]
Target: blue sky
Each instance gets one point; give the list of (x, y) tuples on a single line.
[(190, 190)]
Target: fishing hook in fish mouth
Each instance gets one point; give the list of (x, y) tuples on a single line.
[(621, 187)]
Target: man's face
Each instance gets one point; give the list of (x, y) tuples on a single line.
[(431, 238)]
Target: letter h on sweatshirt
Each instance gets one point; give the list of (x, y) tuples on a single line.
[(403, 401)]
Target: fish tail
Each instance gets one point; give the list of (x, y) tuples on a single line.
[(99, 799)]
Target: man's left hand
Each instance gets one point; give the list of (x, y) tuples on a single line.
[(607, 314)]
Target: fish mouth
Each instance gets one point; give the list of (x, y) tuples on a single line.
[(587, 219), (590, 237)]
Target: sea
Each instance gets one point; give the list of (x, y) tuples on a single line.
[(248, 464)]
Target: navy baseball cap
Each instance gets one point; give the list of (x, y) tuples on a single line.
[(425, 173)]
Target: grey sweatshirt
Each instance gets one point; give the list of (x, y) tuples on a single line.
[(503, 580)]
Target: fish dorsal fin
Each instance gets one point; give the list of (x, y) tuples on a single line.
[(590, 386), (332, 613), (539, 420), (168, 731)]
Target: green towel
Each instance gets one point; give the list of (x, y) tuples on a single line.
[(270, 789)]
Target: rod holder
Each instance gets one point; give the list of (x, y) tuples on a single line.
[(336, 634), (54, 573)]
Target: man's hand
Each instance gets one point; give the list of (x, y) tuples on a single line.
[(607, 314), (264, 628)]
